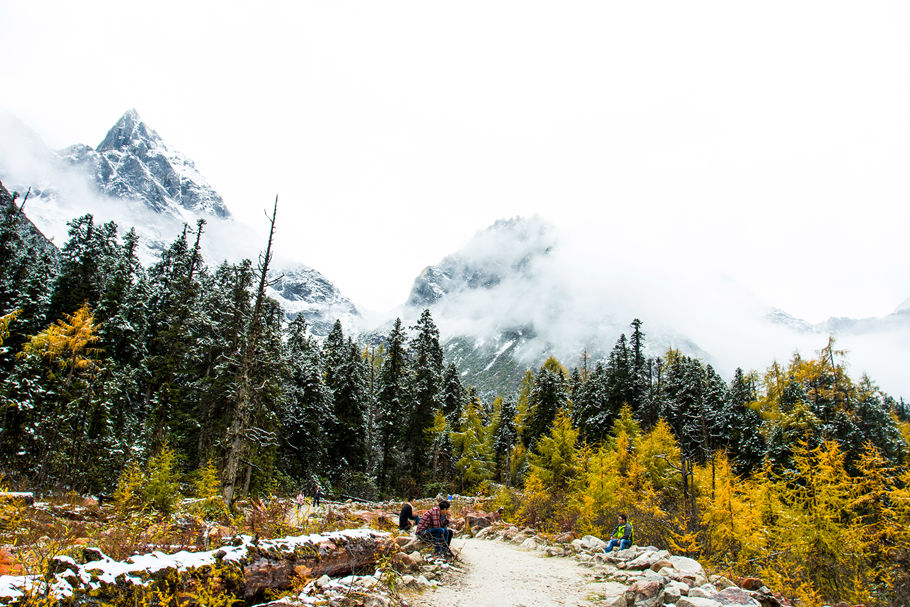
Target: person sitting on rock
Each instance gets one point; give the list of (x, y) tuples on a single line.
[(432, 528), (623, 536), (407, 515)]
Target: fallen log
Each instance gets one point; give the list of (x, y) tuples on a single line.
[(245, 570)]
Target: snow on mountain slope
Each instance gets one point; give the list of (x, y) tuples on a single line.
[(505, 250), (507, 300), (303, 290), (133, 162), (523, 290)]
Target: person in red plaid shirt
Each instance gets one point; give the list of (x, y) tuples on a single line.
[(432, 527)]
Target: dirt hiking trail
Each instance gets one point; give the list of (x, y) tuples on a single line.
[(501, 575)]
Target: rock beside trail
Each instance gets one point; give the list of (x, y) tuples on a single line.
[(691, 601), (640, 576), (647, 559), (589, 542)]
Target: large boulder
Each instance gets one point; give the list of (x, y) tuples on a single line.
[(564, 538), (608, 589), (402, 562), (643, 593), (705, 591), (672, 592), (721, 583), (623, 556), (735, 597), (661, 564), (589, 542), (477, 521), (519, 539), (614, 601), (688, 570), (647, 559), (690, 601), (749, 583), (685, 565)]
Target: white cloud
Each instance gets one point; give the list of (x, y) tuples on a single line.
[(585, 292)]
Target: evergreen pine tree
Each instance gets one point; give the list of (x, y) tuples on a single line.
[(306, 411), (640, 376), (392, 407), (547, 398), (175, 297), (453, 395), (346, 377), (505, 436), (27, 271), (619, 375), (593, 410), (745, 443), (85, 264), (426, 374)]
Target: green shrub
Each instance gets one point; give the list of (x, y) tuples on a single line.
[(154, 489), (207, 485)]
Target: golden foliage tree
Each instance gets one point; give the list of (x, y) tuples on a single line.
[(5, 322), (816, 527), (68, 343), (731, 527)]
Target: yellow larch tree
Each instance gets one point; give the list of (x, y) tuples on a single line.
[(5, 322), (816, 528), (68, 343), (731, 527), (596, 496)]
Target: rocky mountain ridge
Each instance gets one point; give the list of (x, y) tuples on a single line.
[(133, 162), (507, 249), (842, 325), (303, 290), (504, 304), (34, 235)]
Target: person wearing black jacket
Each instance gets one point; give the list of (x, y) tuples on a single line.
[(407, 515)]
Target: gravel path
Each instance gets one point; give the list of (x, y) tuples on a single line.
[(501, 575)]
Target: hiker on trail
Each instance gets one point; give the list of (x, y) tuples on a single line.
[(407, 515), (317, 496), (432, 528), (623, 536), (300, 499)]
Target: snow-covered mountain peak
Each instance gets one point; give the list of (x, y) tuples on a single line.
[(134, 162), (302, 290), (506, 249), (129, 132)]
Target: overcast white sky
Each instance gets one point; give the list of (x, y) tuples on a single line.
[(768, 140)]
